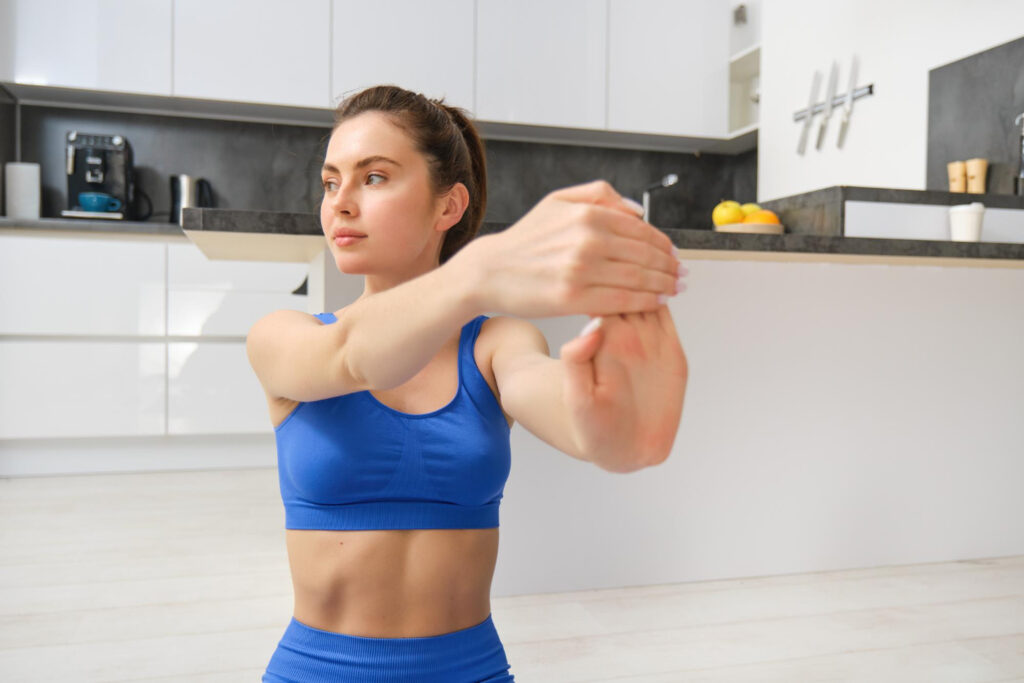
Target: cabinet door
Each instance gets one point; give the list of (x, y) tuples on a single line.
[(121, 45), (81, 286), (81, 389), (542, 62), (668, 70), (212, 389), (399, 42), (225, 298), (255, 51)]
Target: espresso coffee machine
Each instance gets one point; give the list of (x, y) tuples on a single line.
[(101, 177)]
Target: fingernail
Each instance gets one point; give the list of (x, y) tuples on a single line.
[(662, 298), (680, 285), (682, 270), (590, 326), (638, 208)]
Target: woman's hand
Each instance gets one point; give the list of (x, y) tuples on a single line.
[(581, 249), (624, 388)]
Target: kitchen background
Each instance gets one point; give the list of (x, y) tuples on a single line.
[(837, 415), (274, 167)]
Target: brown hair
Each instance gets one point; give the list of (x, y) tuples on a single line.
[(445, 136)]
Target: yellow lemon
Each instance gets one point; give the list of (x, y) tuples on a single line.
[(727, 212), (749, 208)]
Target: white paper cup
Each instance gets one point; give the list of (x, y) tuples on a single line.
[(965, 222), (21, 189)]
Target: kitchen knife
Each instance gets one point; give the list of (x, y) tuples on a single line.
[(815, 84), (848, 104), (832, 78)]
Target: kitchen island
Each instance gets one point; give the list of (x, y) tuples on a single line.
[(265, 235)]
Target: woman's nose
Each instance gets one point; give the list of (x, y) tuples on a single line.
[(343, 200)]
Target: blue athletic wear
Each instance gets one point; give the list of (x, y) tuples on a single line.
[(310, 655), (351, 462)]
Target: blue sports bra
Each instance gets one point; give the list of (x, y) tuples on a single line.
[(351, 462)]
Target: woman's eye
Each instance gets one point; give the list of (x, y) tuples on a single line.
[(330, 185)]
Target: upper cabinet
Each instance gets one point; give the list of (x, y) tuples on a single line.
[(607, 67), (119, 45), (543, 63), (257, 51), (426, 47), (668, 67)]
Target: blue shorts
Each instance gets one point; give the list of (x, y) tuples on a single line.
[(470, 655)]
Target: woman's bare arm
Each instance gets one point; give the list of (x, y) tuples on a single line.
[(378, 342), (392, 335)]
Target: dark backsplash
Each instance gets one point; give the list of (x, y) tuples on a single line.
[(7, 140), (274, 167), (971, 107)]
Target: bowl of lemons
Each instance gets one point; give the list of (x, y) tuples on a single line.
[(731, 216)]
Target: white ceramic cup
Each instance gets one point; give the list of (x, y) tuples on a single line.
[(21, 189), (965, 222)]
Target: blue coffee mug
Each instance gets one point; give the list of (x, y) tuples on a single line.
[(98, 201)]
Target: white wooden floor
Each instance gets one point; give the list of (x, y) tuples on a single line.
[(182, 576)]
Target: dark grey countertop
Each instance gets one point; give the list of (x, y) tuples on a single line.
[(823, 212), (793, 245), (698, 240), (87, 226)]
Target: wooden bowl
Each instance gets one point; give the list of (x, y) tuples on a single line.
[(760, 228)]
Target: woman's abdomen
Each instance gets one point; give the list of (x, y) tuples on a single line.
[(392, 583)]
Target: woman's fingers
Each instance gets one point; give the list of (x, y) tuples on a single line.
[(625, 274), (601, 300), (601, 193), (650, 257)]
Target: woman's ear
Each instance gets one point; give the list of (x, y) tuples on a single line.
[(454, 204)]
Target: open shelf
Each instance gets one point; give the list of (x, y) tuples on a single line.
[(744, 87)]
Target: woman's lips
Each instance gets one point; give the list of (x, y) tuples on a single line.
[(346, 240)]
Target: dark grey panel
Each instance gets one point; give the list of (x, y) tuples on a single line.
[(971, 106), (520, 174), (273, 167), (254, 166)]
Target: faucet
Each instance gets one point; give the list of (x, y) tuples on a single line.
[(1018, 182), (667, 181)]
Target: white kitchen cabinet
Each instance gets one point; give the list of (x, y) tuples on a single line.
[(118, 45), (668, 67), (212, 389), (257, 51), (543, 63), (81, 389), (225, 298), (81, 286), (425, 47), (745, 36)]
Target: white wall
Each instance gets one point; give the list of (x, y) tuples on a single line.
[(897, 44), (6, 40), (836, 416)]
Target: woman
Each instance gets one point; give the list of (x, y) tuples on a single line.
[(392, 414)]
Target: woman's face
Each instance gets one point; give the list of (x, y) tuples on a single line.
[(387, 199)]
